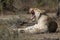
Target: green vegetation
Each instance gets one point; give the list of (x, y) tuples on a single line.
[(39, 3), (50, 3), (5, 3)]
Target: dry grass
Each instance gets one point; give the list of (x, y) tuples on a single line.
[(6, 33)]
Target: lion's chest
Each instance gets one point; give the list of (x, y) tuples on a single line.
[(42, 22)]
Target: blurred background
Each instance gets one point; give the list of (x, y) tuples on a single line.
[(24, 5)]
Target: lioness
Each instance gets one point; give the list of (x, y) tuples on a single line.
[(44, 22)]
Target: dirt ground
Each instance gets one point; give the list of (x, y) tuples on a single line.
[(7, 34)]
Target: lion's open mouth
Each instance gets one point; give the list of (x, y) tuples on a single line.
[(33, 13)]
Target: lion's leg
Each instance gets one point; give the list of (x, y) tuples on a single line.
[(33, 29), (30, 29)]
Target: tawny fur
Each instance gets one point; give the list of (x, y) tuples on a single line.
[(42, 23)]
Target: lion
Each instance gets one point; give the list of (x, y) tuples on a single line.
[(44, 23)]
